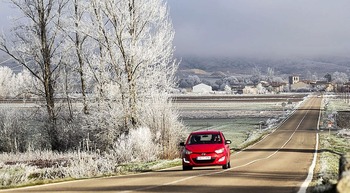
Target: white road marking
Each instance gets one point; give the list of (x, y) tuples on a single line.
[(310, 175)]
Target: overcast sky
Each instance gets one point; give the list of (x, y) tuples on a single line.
[(266, 28), (269, 28)]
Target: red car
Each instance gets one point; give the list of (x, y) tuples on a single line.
[(206, 148)]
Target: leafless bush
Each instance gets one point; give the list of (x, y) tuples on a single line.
[(139, 145), (15, 174), (20, 131), (165, 127), (30, 167)]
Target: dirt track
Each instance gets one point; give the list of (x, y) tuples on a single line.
[(277, 164)]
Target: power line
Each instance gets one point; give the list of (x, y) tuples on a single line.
[(14, 68), (5, 60)]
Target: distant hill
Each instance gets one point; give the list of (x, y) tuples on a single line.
[(220, 67), (233, 66)]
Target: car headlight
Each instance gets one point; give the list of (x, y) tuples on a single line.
[(219, 150), (188, 152)]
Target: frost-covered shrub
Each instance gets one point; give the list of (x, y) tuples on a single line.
[(31, 167), (71, 136), (22, 168), (345, 133), (84, 164), (139, 145), (20, 130), (101, 126), (15, 174), (159, 115), (272, 122)]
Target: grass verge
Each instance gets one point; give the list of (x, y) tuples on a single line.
[(333, 142)]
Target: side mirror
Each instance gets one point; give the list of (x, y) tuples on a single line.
[(182, 144), (228, 142)]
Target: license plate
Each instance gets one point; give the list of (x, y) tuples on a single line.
[(203, 158)]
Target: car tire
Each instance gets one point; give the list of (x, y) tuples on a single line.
[(227, 165), (187, 168)]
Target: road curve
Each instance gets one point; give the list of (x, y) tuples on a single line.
[(277, 164)]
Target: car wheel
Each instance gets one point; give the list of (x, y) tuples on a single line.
[(187, 168), (227, 165)]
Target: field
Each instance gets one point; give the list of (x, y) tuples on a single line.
[(237, 130), (241, 118)]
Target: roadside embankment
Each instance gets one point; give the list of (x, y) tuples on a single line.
[(343, 185)]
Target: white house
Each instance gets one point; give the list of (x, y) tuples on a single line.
[(202, 88)]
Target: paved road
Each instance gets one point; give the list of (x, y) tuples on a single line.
[(277, 164)]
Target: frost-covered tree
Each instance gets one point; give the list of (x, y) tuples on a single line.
[(233, 80), (5, 78), (328, 77), (261, 89), (256, 75), (127, 46), (23, 85), (308, 75), (37, 46), (314, 77), (340, 77), (120, 52), (13, 85), (227, 89), (78, 50), (193, 80), (270, 74), (189, 82), (135, 50)]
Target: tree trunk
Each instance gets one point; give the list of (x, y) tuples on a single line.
[(78, 46)]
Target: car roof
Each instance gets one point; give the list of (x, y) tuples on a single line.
[(206, 132)]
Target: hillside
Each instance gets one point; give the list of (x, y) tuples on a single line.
[(218, 67), (232, 66)]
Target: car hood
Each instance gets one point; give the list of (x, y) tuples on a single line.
[(204, 147)]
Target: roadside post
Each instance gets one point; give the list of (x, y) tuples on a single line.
[(284, 105)]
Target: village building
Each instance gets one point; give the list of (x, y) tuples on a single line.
[(202, 88), (277, 87), (294, 79), (300, 86), (250, 90)]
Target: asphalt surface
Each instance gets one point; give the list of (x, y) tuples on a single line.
[(277, 164)]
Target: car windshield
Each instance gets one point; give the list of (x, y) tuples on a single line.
[(205, 139)]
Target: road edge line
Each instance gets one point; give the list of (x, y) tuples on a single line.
[(310, 175)]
